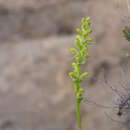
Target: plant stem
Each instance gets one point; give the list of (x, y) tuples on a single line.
[(80, 51), (78, 114), (78, 101)]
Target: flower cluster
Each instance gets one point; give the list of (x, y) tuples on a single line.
[(80, 51)]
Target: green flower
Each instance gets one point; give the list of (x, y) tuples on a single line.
[(80, 52)]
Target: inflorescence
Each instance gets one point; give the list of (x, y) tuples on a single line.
[(80, 51)]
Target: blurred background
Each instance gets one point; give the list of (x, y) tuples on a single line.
[(35, 40)]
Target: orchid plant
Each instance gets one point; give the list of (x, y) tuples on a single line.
[(80, 52)]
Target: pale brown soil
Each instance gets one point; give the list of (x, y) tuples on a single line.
[(35, 90)]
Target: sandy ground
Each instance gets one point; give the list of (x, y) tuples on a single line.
[(35, 39)]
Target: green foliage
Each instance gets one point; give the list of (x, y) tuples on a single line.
[(126, 32), (80, 51)]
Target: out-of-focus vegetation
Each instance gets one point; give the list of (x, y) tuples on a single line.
[(35, 37)]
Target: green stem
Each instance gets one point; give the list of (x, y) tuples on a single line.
[(78, 101), (78, 114)]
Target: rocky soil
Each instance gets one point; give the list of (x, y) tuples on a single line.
[(35, 90)]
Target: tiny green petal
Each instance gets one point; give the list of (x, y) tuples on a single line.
[(79, 31), (73, 50), (87, 56), (88, 20), (89, 40), (89, 31), (81, 91), (84, 75)]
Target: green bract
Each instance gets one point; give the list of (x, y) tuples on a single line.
[(80, 51), (126, 32)]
